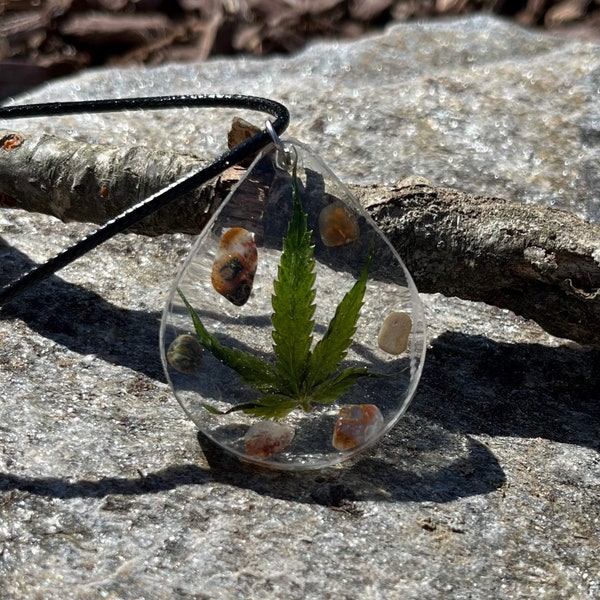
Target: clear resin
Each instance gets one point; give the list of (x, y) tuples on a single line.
[(294, 336)]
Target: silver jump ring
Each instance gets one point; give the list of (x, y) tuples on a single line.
[(283, 154)]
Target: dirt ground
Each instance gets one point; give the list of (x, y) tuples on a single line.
[(44, 39)]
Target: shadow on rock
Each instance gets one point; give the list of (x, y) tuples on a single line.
[(418, 461), (473, 385), (152, 483), (82, 320), (470, 384), (436, 467)]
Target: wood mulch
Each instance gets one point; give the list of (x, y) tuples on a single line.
[(44, 39)]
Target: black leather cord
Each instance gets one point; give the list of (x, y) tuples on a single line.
[(166, 195)]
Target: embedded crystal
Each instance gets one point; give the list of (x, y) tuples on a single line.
[(337, 225), (235, 265), (265, 438), (393, 335), (356, 424), (185, 354)]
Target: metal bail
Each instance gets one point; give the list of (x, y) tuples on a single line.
[(283, 158)]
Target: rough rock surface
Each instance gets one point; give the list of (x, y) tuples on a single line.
[(488, 487)]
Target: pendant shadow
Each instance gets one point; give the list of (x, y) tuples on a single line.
[(474, 385), (424, 465), (387, 477)]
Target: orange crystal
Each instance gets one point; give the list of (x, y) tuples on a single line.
[(356, 424), (235, 265), (337, 225)]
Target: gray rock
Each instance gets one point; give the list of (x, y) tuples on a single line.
[(489, 486), (491, 108)]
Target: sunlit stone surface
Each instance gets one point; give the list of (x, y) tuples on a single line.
[(486, 488), (478, 104)]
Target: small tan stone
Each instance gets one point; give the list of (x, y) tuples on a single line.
[(393, 335)]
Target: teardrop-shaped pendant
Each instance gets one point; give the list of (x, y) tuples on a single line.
[(289, 291)]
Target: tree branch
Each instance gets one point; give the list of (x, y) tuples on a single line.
[(76, 181), (541, 263)]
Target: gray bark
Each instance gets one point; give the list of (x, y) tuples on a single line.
[(541, 263), (76, 181)]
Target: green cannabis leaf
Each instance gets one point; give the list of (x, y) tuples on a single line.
[(256, 372), (299, 377), (293, 301)]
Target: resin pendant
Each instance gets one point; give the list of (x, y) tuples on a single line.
[(310, 329)]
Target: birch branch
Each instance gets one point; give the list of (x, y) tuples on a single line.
[(76, 181), (541, 263)]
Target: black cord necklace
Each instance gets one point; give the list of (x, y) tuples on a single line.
[(166, 195)]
